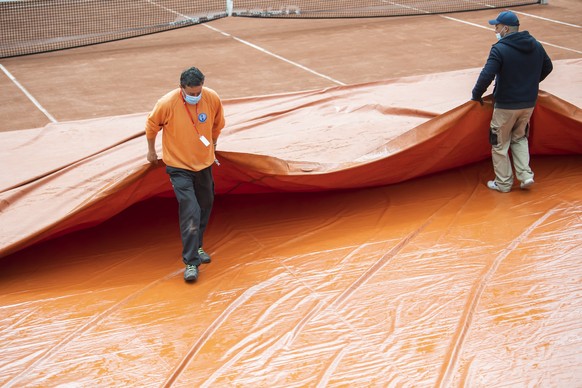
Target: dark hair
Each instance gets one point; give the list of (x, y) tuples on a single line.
[(191, 77)]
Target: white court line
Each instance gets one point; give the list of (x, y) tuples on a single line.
[(477, 25), (560, 47), (52, 119), (30, 97), (464, 22), (548, 20), (275, 55), (487, 28), (255, 46)]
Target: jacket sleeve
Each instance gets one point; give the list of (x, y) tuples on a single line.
[(547, 66), (487, 75)]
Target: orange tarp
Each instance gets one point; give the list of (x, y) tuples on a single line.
[(363, 247)]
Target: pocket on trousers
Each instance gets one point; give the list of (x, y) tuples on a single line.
[(493, 140)]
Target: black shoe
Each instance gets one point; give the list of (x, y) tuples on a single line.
[(204, 257), (191, 273)]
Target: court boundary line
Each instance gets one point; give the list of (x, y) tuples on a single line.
[(256, 47), (548, 19), (296, 64), (492, 7), (487, 28), (265, 51), (27, 94)]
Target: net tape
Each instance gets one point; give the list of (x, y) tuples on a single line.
[(35, 26)]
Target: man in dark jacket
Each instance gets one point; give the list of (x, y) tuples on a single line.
[(518, 63)]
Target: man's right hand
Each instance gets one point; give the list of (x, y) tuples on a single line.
[(480, 100), (152, 157)]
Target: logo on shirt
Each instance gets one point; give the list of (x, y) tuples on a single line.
[(202, 117)]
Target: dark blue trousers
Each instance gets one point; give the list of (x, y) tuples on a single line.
[(195, 194)]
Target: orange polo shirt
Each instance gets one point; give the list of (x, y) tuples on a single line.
[(181, 144)]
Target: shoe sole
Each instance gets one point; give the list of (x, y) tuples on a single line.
[(526, 186)]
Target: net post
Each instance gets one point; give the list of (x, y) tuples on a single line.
[(229, 6)]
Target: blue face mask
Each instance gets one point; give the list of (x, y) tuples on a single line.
[(192, 100)]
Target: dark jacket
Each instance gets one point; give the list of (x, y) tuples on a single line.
[(518, 62)]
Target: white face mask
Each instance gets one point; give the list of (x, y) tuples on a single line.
[(192, 100), (498, 34)]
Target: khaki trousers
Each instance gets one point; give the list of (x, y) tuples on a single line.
[(510, 130)]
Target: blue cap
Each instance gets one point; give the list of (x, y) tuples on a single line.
[(507, 18)]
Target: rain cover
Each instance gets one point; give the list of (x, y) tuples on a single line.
[(353, 242)]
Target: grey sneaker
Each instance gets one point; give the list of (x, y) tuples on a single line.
[(204, 257), (526, 184), (493, 186), (191, 273)]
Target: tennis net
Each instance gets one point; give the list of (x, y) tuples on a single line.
[(35, 26)]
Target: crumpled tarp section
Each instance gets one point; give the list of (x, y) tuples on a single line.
[(77, 174), (366, 249)]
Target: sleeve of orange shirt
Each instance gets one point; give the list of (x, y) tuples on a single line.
[(157, 118)]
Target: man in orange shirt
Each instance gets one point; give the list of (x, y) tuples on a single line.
[(191, 117)]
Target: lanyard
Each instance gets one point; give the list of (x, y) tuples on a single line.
[(190, 114), (203, 139)]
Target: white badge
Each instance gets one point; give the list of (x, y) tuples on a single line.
[(204, 140)]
